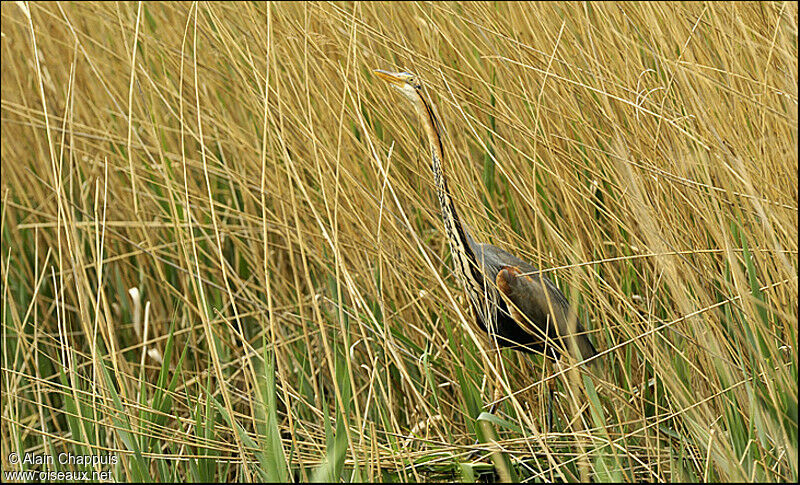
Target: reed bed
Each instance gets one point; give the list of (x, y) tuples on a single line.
[(222, 257)]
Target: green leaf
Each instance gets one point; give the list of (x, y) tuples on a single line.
[(484, 416)]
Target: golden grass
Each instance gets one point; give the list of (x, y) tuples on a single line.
[(267, 197)]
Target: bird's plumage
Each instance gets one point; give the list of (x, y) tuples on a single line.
[(529, 307), (513, 302)]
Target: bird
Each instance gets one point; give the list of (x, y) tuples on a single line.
[(514, 303)]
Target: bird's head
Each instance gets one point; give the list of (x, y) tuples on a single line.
[(409, 85), (405, 82)]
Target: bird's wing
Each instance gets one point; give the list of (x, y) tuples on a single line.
[(527, 301), (494, 259), (539, 308), (534, 302)]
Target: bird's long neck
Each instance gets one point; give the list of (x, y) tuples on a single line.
[(461, 243)]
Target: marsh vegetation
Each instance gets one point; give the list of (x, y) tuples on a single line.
[(294, 314)]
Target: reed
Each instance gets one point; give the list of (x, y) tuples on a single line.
[(295, 315)]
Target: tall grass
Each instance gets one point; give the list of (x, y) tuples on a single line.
[(295, 313)]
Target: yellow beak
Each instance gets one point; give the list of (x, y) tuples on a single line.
[(390, 77)]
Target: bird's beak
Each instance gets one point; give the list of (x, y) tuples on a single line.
[(390, 77)]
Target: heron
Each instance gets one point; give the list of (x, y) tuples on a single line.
[(514, 303)]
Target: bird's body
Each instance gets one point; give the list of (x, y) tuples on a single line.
[(519, 310), (513, 301)]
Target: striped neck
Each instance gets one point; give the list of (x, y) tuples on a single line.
[(461, 244)]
